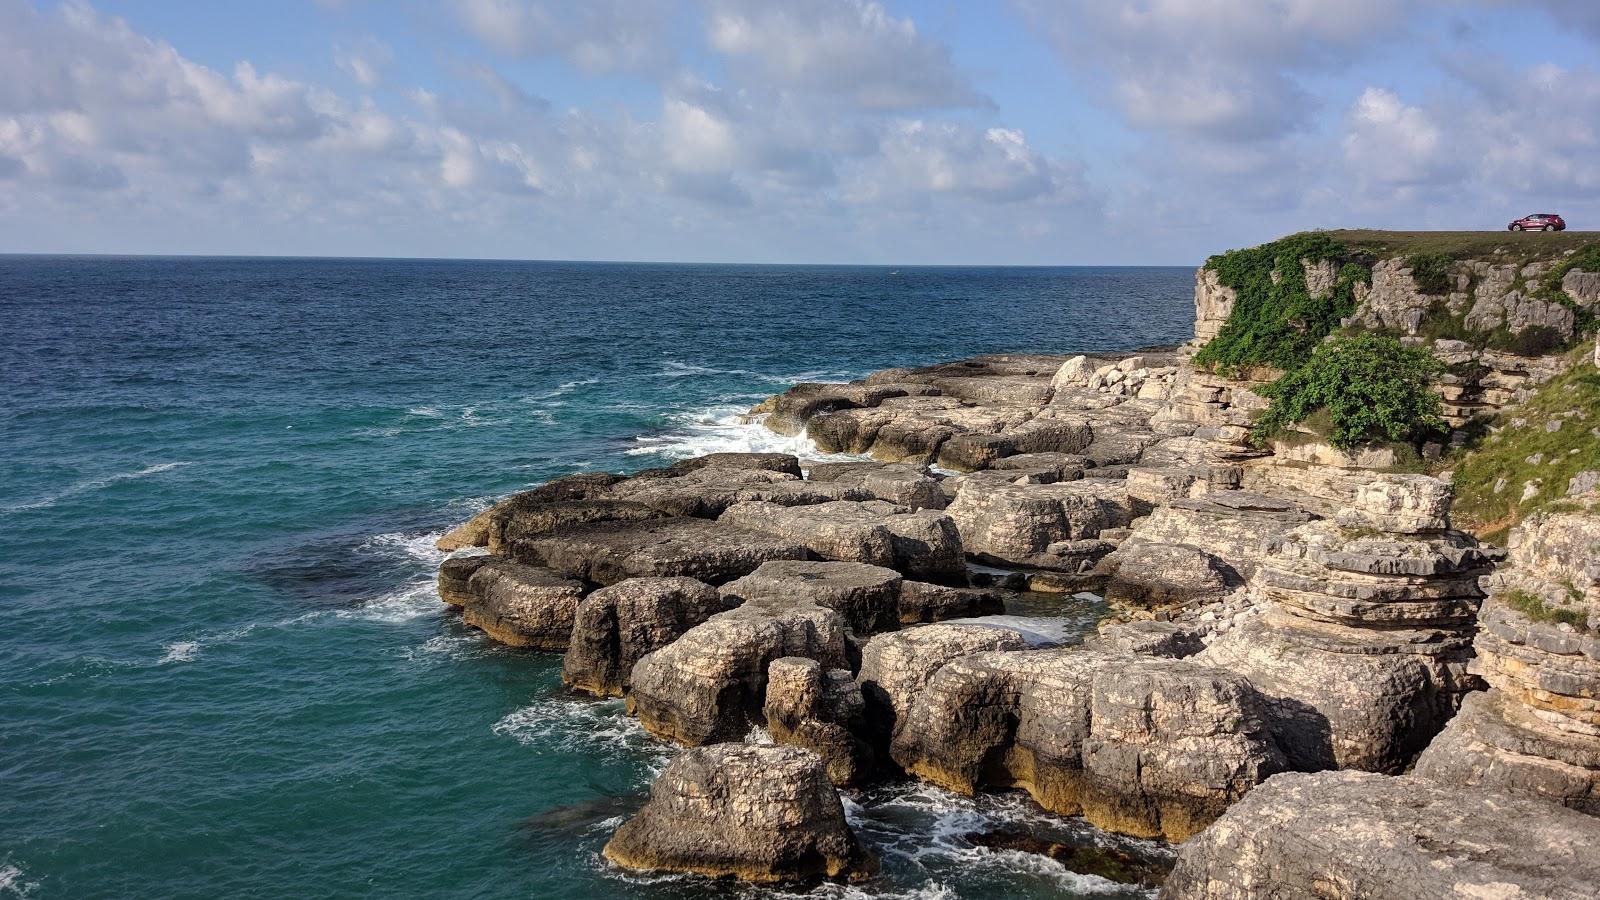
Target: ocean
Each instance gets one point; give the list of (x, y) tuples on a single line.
[(223, 667)]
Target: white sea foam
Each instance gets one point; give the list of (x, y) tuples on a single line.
[(573, 724), (675, 369), (14, 882), (180, 651), (92, 485), (725, 429)]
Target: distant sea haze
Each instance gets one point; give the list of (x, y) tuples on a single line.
[(223, 666)]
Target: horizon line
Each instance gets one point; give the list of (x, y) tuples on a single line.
[(622, 262)]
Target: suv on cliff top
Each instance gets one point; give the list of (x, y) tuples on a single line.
[(1538, 222)]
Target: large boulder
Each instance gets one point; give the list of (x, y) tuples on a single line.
[(822, 711), (1038, 525), (896, 667), (1140, 745), (786, 463), (1149, 576), (516, 604), (757, 813), (1359, 836), (921, 602), (519, 520), (609, 552), (617, 625), (709, 685), (475, 531)]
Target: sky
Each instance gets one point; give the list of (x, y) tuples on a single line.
[(1011, 132)]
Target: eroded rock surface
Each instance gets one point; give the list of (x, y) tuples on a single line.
[(757, 813), (1360, 836), (516, 604), (617, 625), (820, 710), (609, 552)]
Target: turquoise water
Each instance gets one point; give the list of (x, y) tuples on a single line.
[(223, 670)]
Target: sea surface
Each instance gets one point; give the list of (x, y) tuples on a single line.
[(223, 668)]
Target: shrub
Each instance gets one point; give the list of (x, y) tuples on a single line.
[(1372, 387), (1549, 287), (1431, 272), (1539, 611), (1277, 322)]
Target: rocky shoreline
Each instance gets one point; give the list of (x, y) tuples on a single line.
[(1282, 610)]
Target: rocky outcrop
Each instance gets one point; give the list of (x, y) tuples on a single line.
[(609, 552), (1361, 643), (896, 667), (1358, 836), (866, 597), (516, 604), (1053, 526), (1144, 746), (475, 531), (616, 626), (820, 710), (709, 685), (1237, 528), (895, 482), (920, 543), (1537, 730), (1147, 576), (757, 813)]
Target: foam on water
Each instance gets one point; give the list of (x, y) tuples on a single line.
[(725, 429), (14, 882), (579, 725), (94, 484), (180, 651)]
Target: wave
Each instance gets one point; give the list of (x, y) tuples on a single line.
[(94, 484), (724, 429), (586, 726), (14, 882), (675, 369)]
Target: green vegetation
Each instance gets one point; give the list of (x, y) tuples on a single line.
[(1370, 386), (1431, 272), (1539, 611), (1275, 321), (1549, 287), (1522, 449)]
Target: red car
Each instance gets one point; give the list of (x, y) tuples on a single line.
[(1538, 222)]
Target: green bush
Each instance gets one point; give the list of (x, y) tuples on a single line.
[(1278, 323), (1431, 273), (1371, 386), (1549, 287)]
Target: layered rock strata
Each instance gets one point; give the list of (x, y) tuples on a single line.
[(516, 604), (757, 813), (1536, 731), (820, 710)]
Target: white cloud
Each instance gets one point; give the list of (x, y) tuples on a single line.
[(594, 35), (851, 49), (1391, 143), (364, 60)]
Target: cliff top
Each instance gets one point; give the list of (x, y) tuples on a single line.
[(1521, 247)]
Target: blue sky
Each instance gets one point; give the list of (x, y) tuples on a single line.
[(1024, 132)]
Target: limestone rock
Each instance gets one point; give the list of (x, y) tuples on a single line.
[(1237, 527), (1357, 836), (876, 532), (617, 625), (1164, 576), (520, 519), (866, 597), (475, 531), (608, 552), (895, 482), (1010, 523), (757, 813), (1140, 745), (895, 667), (786, 463), (821, 711), (699, 493), (516, 604), (1147, 638), (710, 684), (921, 602)]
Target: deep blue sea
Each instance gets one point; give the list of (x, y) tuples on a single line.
[(223, 669)]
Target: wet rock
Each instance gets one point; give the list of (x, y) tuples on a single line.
[(867, 597), (609, 552), (617, 625), (1358, 836), (896, 667), (709, 685), (821, 711), (1139, 745), (790, 412), (757, 813), (1085, 858), (516, 604)]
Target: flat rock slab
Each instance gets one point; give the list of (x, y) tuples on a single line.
[(875, 532), (609, 552), (757, 813), (516, 604), (867, 597), (1357, 836)]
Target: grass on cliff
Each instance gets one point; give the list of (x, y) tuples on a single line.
[(1521, 449), (1492, 246), (1275, 321), (1540, 611)]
